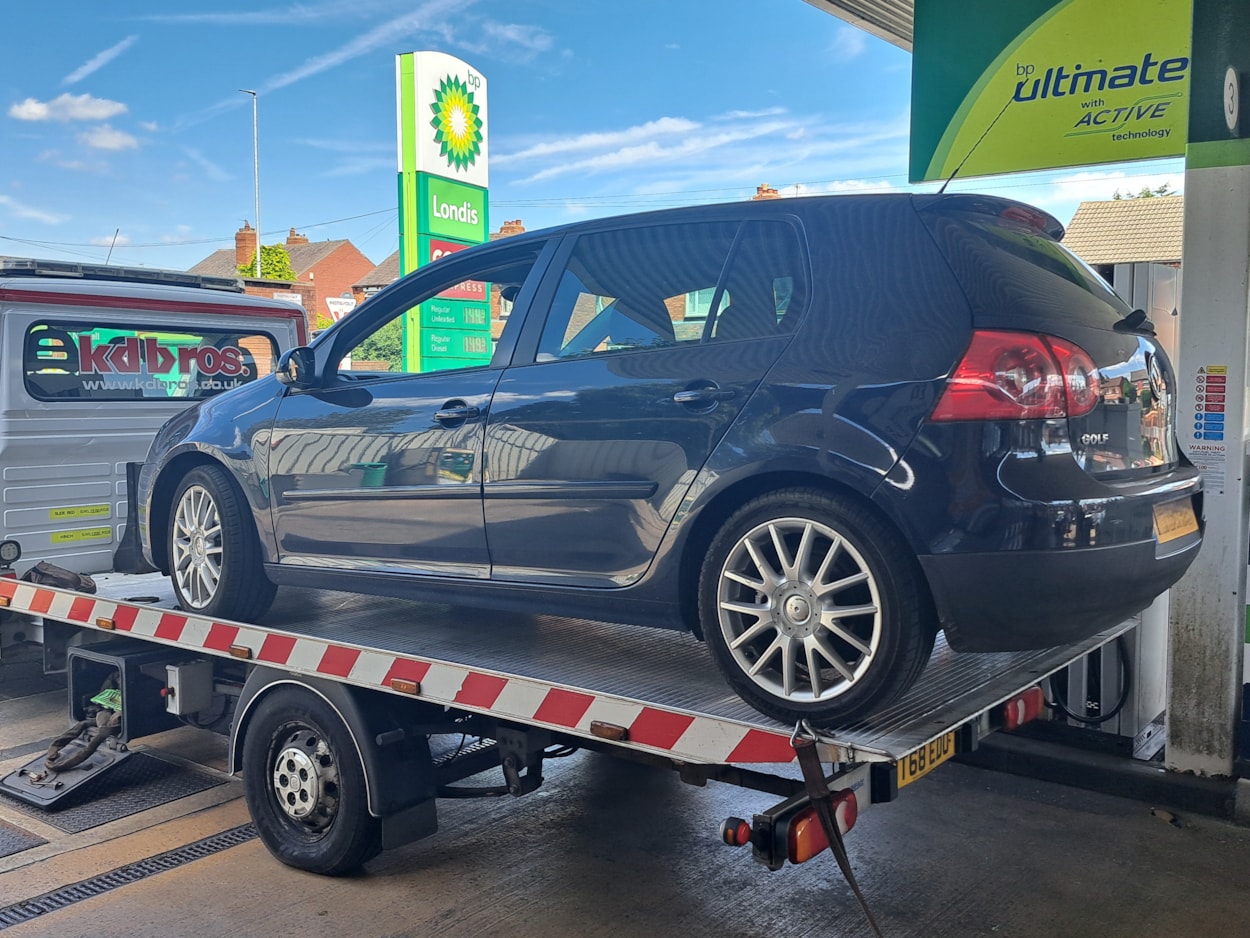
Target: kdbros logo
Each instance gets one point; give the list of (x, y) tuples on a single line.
[(1153, 76)]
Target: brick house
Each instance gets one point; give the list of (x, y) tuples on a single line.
[(323, 269)]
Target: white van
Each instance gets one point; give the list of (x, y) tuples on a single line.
[(94, 359)]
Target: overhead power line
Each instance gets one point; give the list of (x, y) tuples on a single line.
[(622, 200)]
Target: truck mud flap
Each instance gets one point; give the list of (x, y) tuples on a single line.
[(128, 558)]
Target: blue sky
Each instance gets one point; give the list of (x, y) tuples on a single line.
[(124, 134)]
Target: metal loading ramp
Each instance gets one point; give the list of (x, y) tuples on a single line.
[(606, 669)]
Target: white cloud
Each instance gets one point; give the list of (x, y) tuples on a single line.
[(291, 15), (67, 107), (120, 241), (429, 17), (849, 43), (839, 186), (207, 167), (150, 126), (529, 38), (105, 137), (1065, 192), (654, 152), (661, 127), (747, 115), (99, 61), (19, 210)]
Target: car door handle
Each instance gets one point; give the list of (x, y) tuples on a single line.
[(703, 396), (458, 412)]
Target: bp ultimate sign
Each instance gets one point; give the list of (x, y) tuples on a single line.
[(1034, 84), (443, 202)]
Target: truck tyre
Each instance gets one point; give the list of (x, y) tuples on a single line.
[(305, 785), (214, 554), (813, 607)]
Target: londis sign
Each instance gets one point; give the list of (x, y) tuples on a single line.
[(1036, 84)]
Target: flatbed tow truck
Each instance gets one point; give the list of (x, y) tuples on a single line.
[(350, 716)]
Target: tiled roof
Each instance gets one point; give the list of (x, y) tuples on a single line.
[(303, 256), (306, 256), (1125, 231), (218, 264), (385, 273)]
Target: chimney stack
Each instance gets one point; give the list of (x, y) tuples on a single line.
[(245, 246), (293, 239), (765, 191)]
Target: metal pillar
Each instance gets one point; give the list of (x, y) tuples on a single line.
[(1208, 616)]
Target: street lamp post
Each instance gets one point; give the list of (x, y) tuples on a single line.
[(255, 173)]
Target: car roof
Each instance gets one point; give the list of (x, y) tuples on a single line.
[(798, 206)]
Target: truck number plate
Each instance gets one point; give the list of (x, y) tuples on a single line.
[(1175, 519), (925, 759)]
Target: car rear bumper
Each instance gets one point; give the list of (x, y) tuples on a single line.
[(1002, 601)]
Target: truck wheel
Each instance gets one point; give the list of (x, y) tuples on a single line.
[(214, 555), (305, 785), (813, 608)]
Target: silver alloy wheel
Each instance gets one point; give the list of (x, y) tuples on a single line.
[(197, 546), (800, 610), (306, 780)]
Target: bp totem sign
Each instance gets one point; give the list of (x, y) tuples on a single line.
[(443, 203)]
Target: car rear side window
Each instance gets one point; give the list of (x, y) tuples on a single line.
[(68, 360), (671, 285)]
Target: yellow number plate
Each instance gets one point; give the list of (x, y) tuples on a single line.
[(925, 759), (1175, 519)]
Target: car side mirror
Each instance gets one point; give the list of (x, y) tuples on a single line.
[(297, 368)]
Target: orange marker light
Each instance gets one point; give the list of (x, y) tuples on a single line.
[(1023, 708), (806, 837)]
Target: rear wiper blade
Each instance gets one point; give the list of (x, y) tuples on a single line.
[(1135, 321)]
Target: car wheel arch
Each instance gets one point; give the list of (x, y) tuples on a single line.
[(713, 515), (162, 499)]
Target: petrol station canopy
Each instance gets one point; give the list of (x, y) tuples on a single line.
[(890, 20)]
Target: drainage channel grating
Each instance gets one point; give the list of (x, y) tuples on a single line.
[(28, 909), (140, 782), (15, 840)]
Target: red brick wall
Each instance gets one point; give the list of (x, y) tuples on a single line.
[(270, 289), (333, 275)]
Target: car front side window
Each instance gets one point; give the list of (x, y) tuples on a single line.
[(441, 325)]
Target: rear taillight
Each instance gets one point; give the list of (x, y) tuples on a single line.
[(1019, 376), (805, 836)]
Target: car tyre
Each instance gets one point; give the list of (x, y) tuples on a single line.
[(214, 554), (305, 785), (813, 607)]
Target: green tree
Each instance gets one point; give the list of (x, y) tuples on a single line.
[(1145, 193), (275, 264), (385, 345)]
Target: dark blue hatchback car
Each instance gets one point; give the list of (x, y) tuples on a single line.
[(814, 432)]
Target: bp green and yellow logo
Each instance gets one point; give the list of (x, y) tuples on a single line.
[(457, 125)]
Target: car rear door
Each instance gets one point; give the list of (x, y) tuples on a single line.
[(653, 340)]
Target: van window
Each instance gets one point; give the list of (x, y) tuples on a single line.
[(66, 360)]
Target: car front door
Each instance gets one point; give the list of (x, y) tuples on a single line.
[(653, 340), (379, 467)]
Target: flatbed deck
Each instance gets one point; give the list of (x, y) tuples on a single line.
[(563, 673)]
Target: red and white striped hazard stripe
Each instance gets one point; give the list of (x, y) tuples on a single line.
[(688, 736)]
